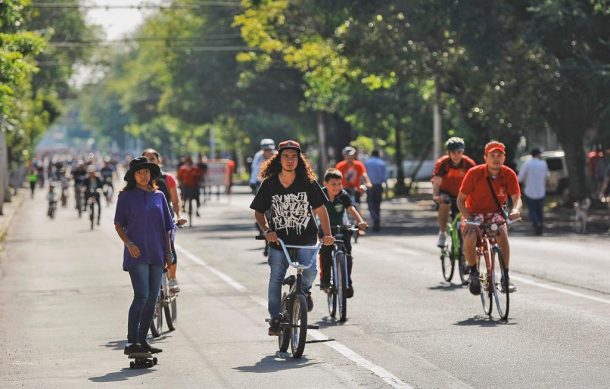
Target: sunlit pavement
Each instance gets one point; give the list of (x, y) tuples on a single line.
[(64, 301)]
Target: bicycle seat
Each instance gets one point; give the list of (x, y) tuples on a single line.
[(290, 280)]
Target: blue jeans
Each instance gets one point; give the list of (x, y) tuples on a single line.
[(146, 282), (279, 266), (536, 210)]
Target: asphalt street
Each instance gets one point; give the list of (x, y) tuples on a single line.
[(64, 301)]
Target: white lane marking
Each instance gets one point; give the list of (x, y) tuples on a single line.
[(561, 290), (539, 284), (379, 371), (223, 276)]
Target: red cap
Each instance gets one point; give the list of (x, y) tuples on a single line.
[(289, 144), (492, 146)]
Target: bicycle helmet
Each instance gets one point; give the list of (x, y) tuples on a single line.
[(349, 150), (267, 144), (454, 144)]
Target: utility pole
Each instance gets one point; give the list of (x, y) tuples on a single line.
[(436, 119), (322, 141)]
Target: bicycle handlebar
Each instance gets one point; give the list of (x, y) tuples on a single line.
[(478, 224), (315, 248)]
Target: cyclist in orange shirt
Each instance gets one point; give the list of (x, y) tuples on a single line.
[(353, 172), (189, 175), (476, 202), (447, 177)]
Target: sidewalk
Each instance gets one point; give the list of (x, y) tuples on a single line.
[(10, 209)]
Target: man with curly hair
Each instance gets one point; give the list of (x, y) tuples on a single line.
[(292, 195)]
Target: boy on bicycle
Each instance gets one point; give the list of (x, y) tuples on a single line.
[(338, 202)]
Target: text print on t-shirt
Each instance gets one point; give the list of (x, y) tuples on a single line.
[(290, 211)]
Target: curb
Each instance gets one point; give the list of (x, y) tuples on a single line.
[(18, 199)]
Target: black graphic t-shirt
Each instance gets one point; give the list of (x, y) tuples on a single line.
[(336, 209), (291, 208)]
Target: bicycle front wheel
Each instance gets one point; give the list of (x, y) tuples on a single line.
[(464, 274), (486, 299), (447, 264), (298, 325), (331, 294), (341, 286), (500, 283)]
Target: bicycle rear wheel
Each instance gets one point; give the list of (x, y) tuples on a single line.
[(331, 294), (486, 299), (447, 264), (283, 339), (157, 322), (171, 312), (500, 283), (341, 286), (298, 325)]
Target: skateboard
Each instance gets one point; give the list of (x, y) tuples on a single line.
[(142, 360)]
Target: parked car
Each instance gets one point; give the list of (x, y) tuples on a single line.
[(558, 171)]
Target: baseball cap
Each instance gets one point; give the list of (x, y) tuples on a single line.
[(289, 144), (493, 146)]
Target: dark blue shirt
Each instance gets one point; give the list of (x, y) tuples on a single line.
[(145, 218)]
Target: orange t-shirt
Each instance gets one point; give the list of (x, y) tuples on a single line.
[(190, 175), (452, 175), (351, 174), (479, 198)]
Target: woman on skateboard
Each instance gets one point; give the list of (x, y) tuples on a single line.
[(143, 222)]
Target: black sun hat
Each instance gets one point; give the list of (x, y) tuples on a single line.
[(140, 163)]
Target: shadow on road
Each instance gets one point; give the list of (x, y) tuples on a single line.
[(446, 287), (329, 321), (122, 375), (484, 321), (279, 361)]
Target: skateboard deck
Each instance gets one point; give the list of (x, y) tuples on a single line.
[(142, 360)]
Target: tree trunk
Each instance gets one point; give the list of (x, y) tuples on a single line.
[(343, 135), (400, 189)]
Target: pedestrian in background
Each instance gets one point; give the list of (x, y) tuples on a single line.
[(144, 223), (377, 172), (32, 178), (533, 175)]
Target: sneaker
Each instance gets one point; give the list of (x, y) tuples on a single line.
[(442, 238), (309, 302), (475, 283), (511, 288), (274, 326), (349, 292), (135, 348), (173, 286), (150, 349)]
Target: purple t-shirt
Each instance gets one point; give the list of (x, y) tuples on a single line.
[(145, 217)]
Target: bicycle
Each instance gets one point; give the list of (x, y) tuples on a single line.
[(494, 284), (452, 253), (293, 328), (167, 305), (91, 202), (336, 294)]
